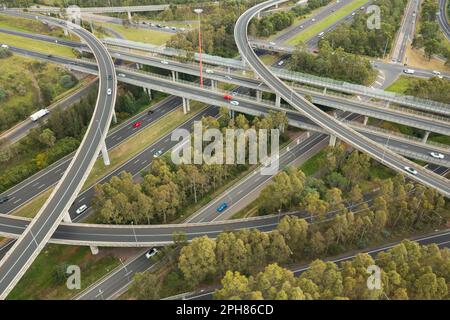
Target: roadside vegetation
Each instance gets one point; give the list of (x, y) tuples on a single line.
[(27, 85), (429, 36), (357, 38), (332, 63), (348, 204), (60, 135), (167, 190)]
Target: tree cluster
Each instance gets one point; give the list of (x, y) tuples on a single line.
[(434, 89), (356, 37), (336, 64), (429, 36), (408, 271), (271, 24), (167, 189)]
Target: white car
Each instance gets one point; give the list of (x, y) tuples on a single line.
[(313, 19), (109, 91), (272, 43), (353, 13), (209, 71), (437, 73), (280, 63), (157, 154), (437, 155), (301, 27), (164, 62), (409, 71), (410, 170), (150, 253), (5, 46), (228, 78), (122, 75), (117, 54), (234, 102), (81, 209)]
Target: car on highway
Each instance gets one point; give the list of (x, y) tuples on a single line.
[(150, 112), (234, 102), (150, 253), (5, 46), (437, 155), (222, 207), (409, 71), (321, 34), (110, 77), (157, 154), (209, 71), (164, 62), (228, 97), (122, 75), (81, 209), (410, 170), (117, 54), (4, 199), (436, 73), (228, 78), (353, 13), (280, 63), (109, 91), (137, 124), (301, 27), (272, 43), (313, 19)]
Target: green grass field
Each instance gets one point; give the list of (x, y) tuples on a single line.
[(36, 45), (401, 84), (325, 23), (42, 282), (28, 25), (140, 35)]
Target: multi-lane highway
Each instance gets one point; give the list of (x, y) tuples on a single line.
[(322, 119), (35, 236)]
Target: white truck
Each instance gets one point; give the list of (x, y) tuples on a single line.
[(37, 115)]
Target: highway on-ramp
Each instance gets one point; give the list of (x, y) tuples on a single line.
[(38, 232), (322, 119)]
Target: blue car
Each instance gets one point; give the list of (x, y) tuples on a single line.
[(222, 207)]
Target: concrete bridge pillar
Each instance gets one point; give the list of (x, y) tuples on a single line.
[(67, 218), (105, 155), (114, 116), (66, 33), (425, 137), (333, 140), (174, 75), (278, 101), (366, 118), (186, 105), (325, 90), (129, 15), (149, 92), (231, 113), (94, 250), (138, 66), (214, 85), (258, 95)]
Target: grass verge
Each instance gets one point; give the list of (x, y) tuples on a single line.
[(140, 35)]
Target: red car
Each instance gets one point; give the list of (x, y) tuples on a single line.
[(137, 124), (227, 97)]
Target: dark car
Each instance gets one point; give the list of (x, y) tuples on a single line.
[(109, 77), (150, 112), (4, 199)]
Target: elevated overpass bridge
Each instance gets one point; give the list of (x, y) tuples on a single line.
[(55, 10)]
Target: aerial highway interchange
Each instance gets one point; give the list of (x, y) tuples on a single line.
[(69, 174)]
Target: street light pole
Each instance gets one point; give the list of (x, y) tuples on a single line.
[(198, 12)]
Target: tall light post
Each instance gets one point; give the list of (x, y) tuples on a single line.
[(198, 12)]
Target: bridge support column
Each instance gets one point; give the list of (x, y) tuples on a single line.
[(388, 104), (129, 15), (425, 137), (105, 155), (138, 66), (149, 92), (174, 75), (186, 105), (332, 142), (66, 33), (214, 85), (228, 69), (94, 250), (114, 116), (325, 90), (231, 113), (67, 218), (366, 118), (258, 95), (278, 101)]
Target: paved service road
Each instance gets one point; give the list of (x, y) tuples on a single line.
[(325, 121), (25, 250)]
